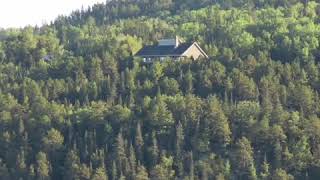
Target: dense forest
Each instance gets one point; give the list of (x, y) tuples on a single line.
[(75, 104)]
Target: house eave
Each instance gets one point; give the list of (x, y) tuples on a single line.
[(167, 55)]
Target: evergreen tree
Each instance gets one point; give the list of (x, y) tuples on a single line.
[(21, 166), (132, 162), (281, 174), (243, 161), (218, 124), (141, 174), (179, 144), (43, 167), (264, 174), (163, 170), (53, 140), (114, 172), (72, 165), (100, 174), (31, 172), (120, 154), (153, 151), (188, 80), (4, 172), (191, 168), (75, 102), (139, 142)]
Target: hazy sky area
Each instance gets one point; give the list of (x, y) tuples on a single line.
[(19, 13)]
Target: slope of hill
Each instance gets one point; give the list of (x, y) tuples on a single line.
[(75, 103), (114, 10)]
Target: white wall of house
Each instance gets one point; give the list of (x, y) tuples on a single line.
[(193, 52)]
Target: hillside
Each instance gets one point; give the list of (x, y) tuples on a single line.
[(76, 104)]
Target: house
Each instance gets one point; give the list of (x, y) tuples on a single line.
[(171, 48)]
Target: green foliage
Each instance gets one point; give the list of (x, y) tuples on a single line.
[(281, 174), (43, 167), (100, 174), (53, 140), (163, 170), (76, 104), (141, 173), (243, 160)]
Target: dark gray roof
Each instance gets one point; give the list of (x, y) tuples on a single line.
[(155, 50)]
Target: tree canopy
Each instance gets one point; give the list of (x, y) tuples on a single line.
[(76, 104)]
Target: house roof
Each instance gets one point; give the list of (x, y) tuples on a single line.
[(156, 50)]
